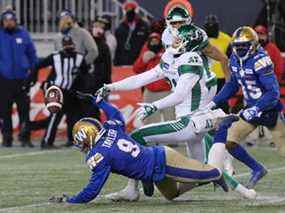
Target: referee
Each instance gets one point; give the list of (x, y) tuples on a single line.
[(67, 68)]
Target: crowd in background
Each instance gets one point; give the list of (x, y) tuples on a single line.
[(83, 61)]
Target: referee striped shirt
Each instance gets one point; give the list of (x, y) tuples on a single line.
[(65, 68)]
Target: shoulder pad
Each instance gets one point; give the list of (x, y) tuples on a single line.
[(94, 160), (262, 62), (190, 58), (190, 62)]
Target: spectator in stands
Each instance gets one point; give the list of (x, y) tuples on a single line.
[(84, 43), (272, 50), (110, 38), (149, 57), (272, 16), (131, 35), (222, 41), (17, 58)]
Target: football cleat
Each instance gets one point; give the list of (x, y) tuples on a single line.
[(255, 177), (124, 195), (246, 193)]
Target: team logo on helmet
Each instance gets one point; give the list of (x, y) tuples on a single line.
[(85, 133)]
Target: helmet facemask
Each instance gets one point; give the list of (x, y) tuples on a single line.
[(176, 18), (245, 42)]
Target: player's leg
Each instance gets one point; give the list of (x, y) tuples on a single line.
[(194, 147), (168, 188), (207, 143), (170, 131), (236, 134), (278, 135), (227, 173)]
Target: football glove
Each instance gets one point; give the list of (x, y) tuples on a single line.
[(88, 97), (103, 92), (250, 113), (58, 199), (145, 110), (209, 106)]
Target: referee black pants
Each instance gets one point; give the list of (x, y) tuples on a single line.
[(11, 91), (71, 109)]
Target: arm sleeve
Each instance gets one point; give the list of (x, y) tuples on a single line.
[(91, 48), (184, 85), (270, 83), (111, 112), (137, 81), (96, 182), (229, 89)]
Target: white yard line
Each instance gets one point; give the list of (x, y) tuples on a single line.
[(18, 208), (33, 153)]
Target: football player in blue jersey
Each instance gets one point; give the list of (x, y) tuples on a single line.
[(109, 149), (252, 70)]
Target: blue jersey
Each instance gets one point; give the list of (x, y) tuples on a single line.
[(116, 152), (256, 77)]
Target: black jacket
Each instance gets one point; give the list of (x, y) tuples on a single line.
[(127, 52)]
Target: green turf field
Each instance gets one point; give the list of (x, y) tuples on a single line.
[(30, 176)]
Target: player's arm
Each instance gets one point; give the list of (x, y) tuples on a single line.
[(229, 89), (184, 86), (269, 81), (137, 81), (214, 53), (112, 113), (100, 173)]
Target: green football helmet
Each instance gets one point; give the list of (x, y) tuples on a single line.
[(178, 17), (189, 40)]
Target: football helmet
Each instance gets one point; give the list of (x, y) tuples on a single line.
[(244, 42), (187, 40), (85, 133), (177, 17)]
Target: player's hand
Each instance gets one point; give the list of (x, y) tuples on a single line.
[(58, 199), (250, 113), (209, 106), (103, 92), (145, 110)]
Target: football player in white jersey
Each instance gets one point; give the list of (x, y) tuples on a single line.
[(185, 65)]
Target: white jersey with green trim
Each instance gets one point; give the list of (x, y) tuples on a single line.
[(189, 62)]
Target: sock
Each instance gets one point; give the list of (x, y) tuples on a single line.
[(132, 185), (243, 156), (207, 144), (230, 180)]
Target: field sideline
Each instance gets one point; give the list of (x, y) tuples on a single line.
[(30, 176)]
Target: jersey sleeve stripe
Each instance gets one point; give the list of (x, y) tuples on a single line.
[(190, 69)]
